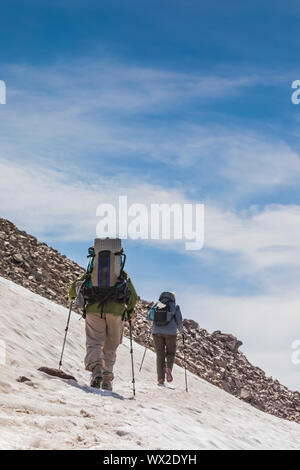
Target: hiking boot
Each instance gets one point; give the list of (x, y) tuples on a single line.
[(107, 385), (161, 383), (169, 375), (96, 381)]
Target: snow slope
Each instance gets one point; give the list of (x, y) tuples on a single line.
[(50, 413)]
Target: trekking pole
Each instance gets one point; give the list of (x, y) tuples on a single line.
[(66, 332), (140, 369), (184, 360), (131, 352), (144, 354)]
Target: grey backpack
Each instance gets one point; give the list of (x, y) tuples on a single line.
[(164, 310)]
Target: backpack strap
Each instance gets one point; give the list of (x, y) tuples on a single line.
[(124, 314), (123, 258)]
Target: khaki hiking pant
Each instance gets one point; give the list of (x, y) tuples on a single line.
[(165, 346), (103, 336)]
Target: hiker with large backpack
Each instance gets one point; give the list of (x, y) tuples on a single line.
[(167, 319), (107, 298)]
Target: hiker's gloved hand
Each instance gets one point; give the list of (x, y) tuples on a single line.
[(132, 320)]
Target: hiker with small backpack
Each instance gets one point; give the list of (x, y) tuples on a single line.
[(167, 319), (107, 297)]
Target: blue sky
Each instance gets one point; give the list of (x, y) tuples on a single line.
[(165, 101)]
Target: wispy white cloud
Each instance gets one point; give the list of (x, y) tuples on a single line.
[(100, 110), (247, 159), (87, 104), (65, 204), (263, 238), (112, 86), (62, 206)]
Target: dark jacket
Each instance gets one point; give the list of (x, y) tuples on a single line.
[(176, 322)]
